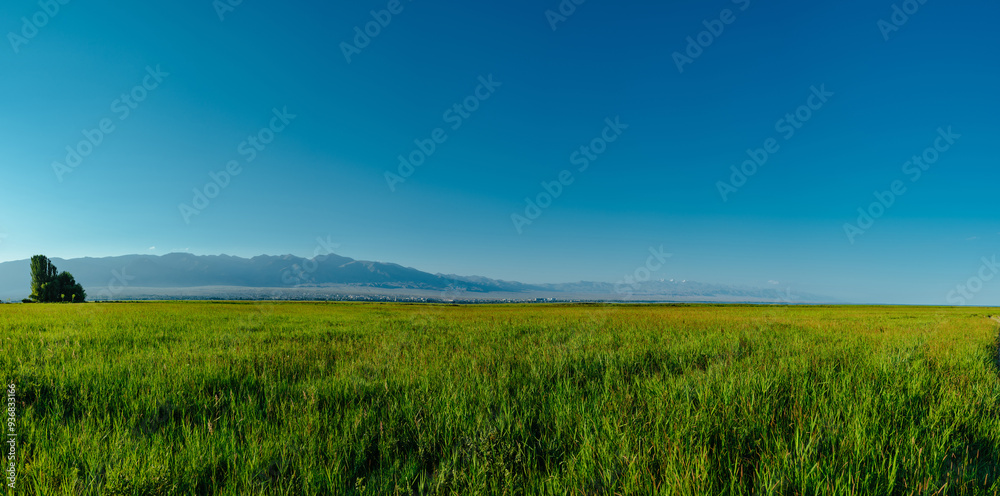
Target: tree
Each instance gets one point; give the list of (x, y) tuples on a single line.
[(47, 286), (43, 273), (68, 289)]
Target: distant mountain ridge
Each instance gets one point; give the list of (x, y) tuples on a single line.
[(184, 270), (112, 277)]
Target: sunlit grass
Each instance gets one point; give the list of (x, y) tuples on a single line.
[(316, 398)]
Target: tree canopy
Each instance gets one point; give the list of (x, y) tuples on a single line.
[(50, 286)]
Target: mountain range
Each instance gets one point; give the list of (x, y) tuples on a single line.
[(184, 275)]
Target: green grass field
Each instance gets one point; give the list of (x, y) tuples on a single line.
[(319, 398)]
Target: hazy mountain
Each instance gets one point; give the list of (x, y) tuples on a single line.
[(183, 270), (180, 274)]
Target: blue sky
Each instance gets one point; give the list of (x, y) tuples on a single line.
[(220, 82)]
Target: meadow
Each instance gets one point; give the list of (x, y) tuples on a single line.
[(345, 398)]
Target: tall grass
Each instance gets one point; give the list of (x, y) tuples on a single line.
[(317, 398)]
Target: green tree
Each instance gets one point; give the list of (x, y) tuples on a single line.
[(43, 274), (68, 289), (47, 286)]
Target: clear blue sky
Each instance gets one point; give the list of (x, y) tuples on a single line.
[(657, 183)]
